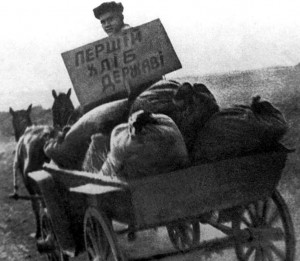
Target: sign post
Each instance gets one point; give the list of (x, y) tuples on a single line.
[(118, 64)]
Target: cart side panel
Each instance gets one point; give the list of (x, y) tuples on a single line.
[(112, 195), (114, 201), (196, 190)]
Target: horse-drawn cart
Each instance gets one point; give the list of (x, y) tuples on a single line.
[(78, 208)]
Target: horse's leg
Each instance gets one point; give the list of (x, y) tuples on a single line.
[(36, 205)]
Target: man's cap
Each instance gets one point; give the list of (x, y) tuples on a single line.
[(108, 7)]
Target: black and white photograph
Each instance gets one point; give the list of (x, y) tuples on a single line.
[(150, 130)]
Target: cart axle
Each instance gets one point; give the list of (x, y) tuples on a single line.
[(215, 244)]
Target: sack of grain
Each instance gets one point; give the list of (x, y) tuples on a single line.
[(70, 151), (271, 119), (96, 153), (240, 130), (149, 144), (189, 106)]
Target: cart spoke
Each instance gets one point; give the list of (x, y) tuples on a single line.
[(223, 228), (274, 217), (249, 252), (178, 241), (265, 209), (257, 207), (101, 243), (93, 242), (279, 253), (46, 227), (189, 230), (186, 234), (96, 230), (258, 255), (91, 252), (252, 214), (268, 254), (245, 221), (179, 237), (105, 247)]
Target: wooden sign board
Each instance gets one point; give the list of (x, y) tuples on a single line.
[(115, 64)]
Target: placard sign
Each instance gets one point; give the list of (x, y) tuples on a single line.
[(118, 63)]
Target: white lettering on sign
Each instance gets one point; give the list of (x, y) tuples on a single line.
[(107, 67)]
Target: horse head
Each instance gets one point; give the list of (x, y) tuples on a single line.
[(62, 109), (21, 120)]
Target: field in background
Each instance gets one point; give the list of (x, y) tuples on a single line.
[(280, 85)]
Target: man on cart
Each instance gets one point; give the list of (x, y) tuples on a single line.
[(110, 15)]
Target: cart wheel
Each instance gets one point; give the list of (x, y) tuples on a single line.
[(48, 233), (100, 240), (184, 235), (264, 231)]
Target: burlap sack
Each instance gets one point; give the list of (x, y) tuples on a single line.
[(70, 151), (149, 144), (189, 106), (96, 153), (271, 119), (240, 130)]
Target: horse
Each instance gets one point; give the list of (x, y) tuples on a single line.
[(63, 110), (30, 157), (21, 120)]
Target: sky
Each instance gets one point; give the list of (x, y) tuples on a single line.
[(211, 36)]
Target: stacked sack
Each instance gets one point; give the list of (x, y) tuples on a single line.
[(240, 130), (69, 150), (148, 144), (157, 99), (189, 106), (208, 133), (86, 144)]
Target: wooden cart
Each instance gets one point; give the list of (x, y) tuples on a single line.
[(77, 208)]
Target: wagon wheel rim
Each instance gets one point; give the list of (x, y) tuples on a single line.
[(100, 240), (184, 235), (46, 230), (267, 230)]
